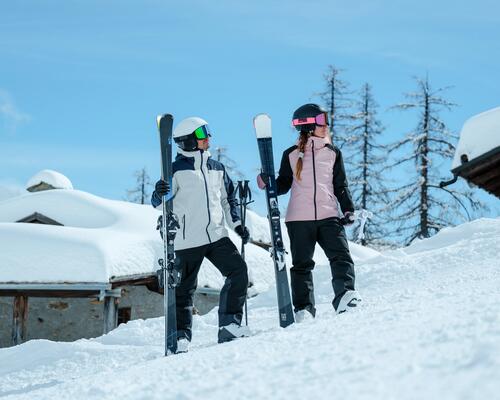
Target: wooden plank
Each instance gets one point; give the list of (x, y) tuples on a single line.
[(134, 281), (110, 314), (485, 174), (49, 293), (20, 316), (494, 187)]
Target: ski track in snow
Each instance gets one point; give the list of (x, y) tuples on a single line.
[(429, 327)]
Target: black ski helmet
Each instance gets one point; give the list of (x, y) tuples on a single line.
[(309, 110)]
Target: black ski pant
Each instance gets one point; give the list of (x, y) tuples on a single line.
[(225, 256), (330, 235)]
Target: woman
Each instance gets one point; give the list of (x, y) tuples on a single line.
[(313, 169)]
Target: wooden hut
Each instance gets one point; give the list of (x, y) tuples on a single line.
[(477, 156)]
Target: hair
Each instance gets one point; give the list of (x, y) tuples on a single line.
[(304, 135)]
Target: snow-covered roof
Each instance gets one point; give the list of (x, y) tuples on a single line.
[(52, 178), (100, 238), (480, 134), (103, 239)]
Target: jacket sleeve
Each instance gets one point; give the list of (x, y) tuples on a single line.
[(155, 200), (229, 202), (285, 174), (340, 185)]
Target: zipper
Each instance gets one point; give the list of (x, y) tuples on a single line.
[(314, 177), (206, 192), (184, 227)]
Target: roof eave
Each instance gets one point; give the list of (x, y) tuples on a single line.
[(482, 171)]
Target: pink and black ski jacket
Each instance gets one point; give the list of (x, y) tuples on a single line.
[(323, 183)]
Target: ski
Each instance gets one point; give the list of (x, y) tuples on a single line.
[(169, 225), (262, 125)]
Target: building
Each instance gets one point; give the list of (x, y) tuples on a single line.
[(477, 156), (74, 265)]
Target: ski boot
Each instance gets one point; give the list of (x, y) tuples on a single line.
[(349, 300)]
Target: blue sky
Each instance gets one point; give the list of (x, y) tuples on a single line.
[(81, 82)]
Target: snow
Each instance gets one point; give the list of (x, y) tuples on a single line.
[(53, 178), (429, 327), (102, 239), (480, 134), (8, 191)]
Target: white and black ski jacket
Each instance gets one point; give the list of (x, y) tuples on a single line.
[(203, 199)]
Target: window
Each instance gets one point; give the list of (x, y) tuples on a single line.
[(124, 315)]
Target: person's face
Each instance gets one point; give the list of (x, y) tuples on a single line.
[(204, 144), (321, 131)]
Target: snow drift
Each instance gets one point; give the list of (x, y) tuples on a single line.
[(429, 328)]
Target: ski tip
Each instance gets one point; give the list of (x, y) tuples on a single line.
[(161, 117), (262, 125), (260, 117)]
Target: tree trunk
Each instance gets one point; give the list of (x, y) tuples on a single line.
[(424, 200), (332, 106)]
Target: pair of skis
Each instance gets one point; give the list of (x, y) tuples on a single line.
[(262, 125), (171, 277)]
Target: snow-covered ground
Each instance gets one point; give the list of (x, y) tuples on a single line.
[(429, 328)]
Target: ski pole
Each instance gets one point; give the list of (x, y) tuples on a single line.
[(245, 198), (363, 215)]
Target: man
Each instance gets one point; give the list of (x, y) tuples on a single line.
[(203, 198)]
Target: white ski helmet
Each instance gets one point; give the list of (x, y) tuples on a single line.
[(184, 133)]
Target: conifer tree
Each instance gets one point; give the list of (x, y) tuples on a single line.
[(337, 102), (422, 208), (366, 165)]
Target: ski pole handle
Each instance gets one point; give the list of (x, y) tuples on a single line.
[(363, 215)]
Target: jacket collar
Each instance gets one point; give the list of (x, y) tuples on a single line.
[(318, 142), (197, 155)]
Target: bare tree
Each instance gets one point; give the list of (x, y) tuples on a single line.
[(337, 103), (230, 165), (141, 193), (365, 167), (420, 204)]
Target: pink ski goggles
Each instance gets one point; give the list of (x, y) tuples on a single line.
[(320, 119)]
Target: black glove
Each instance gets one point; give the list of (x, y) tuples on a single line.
[(244, 233), (162, 188), (348, 219)]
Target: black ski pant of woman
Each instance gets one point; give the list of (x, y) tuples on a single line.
[(226, 258), (330, 235)]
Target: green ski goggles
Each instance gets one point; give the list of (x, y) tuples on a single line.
[(201, 133)]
